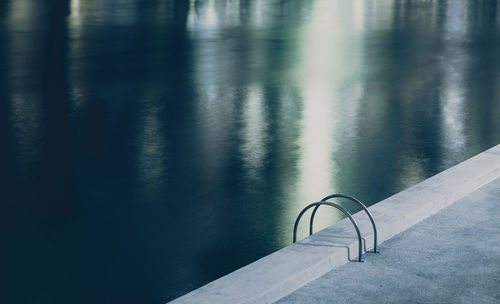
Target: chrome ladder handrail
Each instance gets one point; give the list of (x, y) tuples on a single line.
[(353, 199), (317, 204)]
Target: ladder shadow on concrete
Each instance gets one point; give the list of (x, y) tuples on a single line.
[(333, 245), (325, 202), (342, 237)]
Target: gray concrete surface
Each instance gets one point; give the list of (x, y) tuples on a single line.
[(451, 257)]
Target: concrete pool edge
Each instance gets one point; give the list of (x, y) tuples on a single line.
[(278, 274)]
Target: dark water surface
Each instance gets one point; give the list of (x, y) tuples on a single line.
[(149, 147)]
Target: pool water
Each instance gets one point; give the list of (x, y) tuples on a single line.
[(151, 146)]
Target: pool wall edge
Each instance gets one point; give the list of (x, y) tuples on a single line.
[(280, 273)]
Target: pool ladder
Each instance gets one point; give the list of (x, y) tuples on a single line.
[(324, 201)]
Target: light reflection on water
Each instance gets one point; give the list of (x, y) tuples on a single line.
[(253, 147), (162, 144)]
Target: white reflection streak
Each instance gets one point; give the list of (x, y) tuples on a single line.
[(453, 94), (319, 71), (316, 167), (254, 134), (457, 19), (191, 18), (201, 17), (211, 15), (75, 10), (76, 51), (359, 14), (22, 11), (453, 111), (328, 58), (258, 11)]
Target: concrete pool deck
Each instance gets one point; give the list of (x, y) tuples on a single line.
[(277, 275), (451, 257)]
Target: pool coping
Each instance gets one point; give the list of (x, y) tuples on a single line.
[(280, 273)]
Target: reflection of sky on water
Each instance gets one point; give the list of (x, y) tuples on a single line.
[(453, 85), (330, 56), (253, 147), (202, 17), (316, 142), (76, 14)]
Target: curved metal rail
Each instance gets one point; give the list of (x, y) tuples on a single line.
[(317, 204), (340, 195)]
